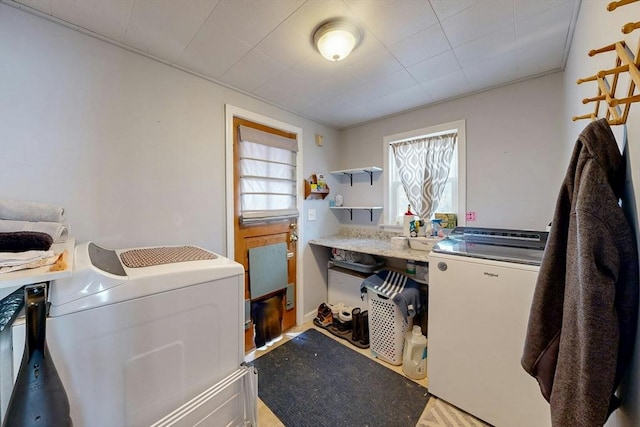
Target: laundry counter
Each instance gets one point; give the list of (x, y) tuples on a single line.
[(370, 245)]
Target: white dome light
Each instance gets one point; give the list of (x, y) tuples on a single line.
[(336, 39)]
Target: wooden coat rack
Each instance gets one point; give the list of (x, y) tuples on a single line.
[(626, 62)]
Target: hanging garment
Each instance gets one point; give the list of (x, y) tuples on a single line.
[(582, 324)]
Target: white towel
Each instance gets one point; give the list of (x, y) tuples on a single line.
[(58, 232), (17, 258), (45, 258), (30, 211)]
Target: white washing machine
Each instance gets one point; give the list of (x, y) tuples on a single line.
[(481, 284), (133, 344)]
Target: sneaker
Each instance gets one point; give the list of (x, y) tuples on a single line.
[(325, 317), (322, 308), (335, 311)]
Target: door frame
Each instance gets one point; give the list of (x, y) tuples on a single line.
[(231, 112)]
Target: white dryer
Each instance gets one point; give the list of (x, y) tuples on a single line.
[(133, 344), (481, 284)]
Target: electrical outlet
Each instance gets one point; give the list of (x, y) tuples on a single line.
[(311, 215), (471, 216)]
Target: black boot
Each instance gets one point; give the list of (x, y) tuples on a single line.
[(356, 317), (364, 322)]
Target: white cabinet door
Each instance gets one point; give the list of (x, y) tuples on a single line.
[(344, 287)]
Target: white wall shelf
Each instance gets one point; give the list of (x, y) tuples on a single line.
[(369, 170), (351, 208)]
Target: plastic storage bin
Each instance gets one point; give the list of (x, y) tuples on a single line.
[(387, 328)]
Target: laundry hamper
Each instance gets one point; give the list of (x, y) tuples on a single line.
[(387, 328)]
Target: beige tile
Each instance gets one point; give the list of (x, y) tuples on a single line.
[(266, 418)]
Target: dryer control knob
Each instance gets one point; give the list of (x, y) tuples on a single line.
[(442, 266)]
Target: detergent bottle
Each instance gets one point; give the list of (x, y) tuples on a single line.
[(414, 361), (408, 218)]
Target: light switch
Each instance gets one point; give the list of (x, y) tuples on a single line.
[(311, 215)]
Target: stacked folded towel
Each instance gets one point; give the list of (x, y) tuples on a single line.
[(30, 211), (18, 215), (12, 261), (27, 232)]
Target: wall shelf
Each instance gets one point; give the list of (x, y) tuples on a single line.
[(351, 208), (309, 193), (369, 170)]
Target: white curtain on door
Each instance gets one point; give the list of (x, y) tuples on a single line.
[(267, 169), (423, 165)]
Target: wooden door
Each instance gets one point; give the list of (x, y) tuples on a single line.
[(263, 234)]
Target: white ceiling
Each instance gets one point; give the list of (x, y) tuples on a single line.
[(414, 52)]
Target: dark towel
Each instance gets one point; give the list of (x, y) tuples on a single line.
[(21, 241)]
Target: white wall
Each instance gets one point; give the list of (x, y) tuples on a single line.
[(135, 149), (595, 28), (132, 148), (514, 150)]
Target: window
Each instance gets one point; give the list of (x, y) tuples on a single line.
[(454, 193), (266, 175)]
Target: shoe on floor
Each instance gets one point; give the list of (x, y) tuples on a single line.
[(335, 311), (325, 316), (345, 320)]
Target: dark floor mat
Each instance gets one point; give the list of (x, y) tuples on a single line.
[(313, 380)]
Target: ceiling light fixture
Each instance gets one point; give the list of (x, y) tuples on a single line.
[(335, 39)]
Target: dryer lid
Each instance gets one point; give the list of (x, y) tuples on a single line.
[(100, 277)]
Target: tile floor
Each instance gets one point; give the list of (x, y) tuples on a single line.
[(437, 413)]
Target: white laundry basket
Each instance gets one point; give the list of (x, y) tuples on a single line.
[(387, 328)]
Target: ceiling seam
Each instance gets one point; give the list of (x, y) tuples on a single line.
[(569, 39), (449, 41), (199, 29), (261, 40), (386, 48), (515, 34), (126, 30)]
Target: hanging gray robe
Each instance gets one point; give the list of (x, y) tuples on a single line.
[(583, 317)]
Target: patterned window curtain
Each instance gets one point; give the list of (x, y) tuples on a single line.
[(423, 165)]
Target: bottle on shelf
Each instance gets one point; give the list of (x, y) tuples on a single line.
[(408, 218)]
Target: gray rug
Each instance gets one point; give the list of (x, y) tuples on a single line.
[(315, 381)]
